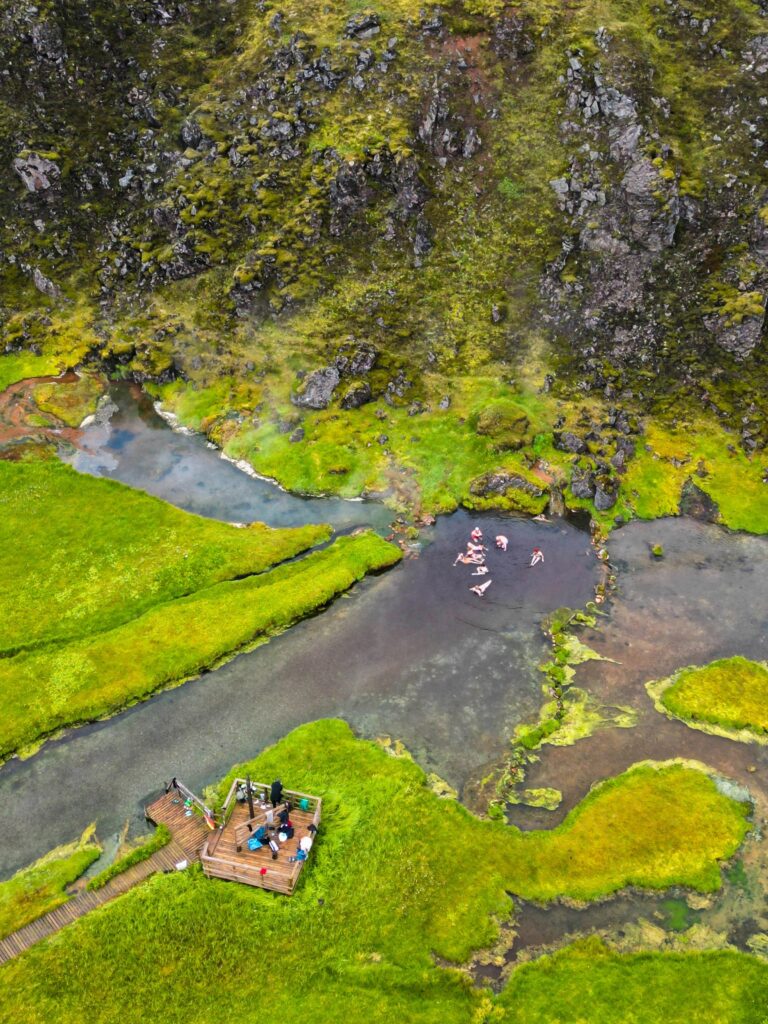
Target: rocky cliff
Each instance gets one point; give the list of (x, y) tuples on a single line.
[(333, 228)]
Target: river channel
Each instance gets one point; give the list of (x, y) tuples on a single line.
[(412, 654)]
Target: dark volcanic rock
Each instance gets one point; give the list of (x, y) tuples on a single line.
[(317, 388), (191, 134), (500, 483), (582, 483), (363, 26), (605, 495), (360, 362), (356, 395), (738, 339), (697, 504), (565, 441)]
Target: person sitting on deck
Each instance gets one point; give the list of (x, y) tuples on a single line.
[(501, 542), (481, 588), (285, 816), (306, 843), (276, 792)]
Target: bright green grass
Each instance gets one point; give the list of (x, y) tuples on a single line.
[(80, 554), (35, 890), (48, 688), (729, 696), (21, 365), (587, 983), (393, 880)]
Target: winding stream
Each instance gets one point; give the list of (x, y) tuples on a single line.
[(414, 655)]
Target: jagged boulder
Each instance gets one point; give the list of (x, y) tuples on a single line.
[(357, 394), (317, 388), (37, 172)]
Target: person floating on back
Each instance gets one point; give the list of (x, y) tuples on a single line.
[(481, 570), (537, 556), (469, 559), (481, 588), (501, 542)]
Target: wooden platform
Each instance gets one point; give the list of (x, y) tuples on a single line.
[(226, 855), (192, 840), (85, 901), (188, 830)]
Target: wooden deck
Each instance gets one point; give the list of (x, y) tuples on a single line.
[(188, 830), (81, 904), (223, 853)]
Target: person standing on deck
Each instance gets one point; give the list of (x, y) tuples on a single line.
[(276, 792)]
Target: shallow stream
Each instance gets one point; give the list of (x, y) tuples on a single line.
[(414, 655)]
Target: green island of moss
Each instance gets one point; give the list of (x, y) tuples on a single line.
[(728, 697), (393, 882), (589, 982), (40, 888), (45, 689)]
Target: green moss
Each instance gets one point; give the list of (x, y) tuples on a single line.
[(703, 451), (726, 697), (653, 810), (160, 838), (70, 403), (589, 981), (545, 797), (392, 883), (51, 687), (22, 365), (39, 888)]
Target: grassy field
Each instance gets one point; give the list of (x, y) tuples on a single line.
[(587, 982), (86, 554), (396, 877), (45, 689), (36, 889), (728, 697)]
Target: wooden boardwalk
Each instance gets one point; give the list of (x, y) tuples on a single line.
[(85, 901)]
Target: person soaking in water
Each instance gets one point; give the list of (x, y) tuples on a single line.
[(501, 542), (537, 556), (481, 588)]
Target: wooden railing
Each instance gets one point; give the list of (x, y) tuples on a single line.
[(187, 793), (241, 871)]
